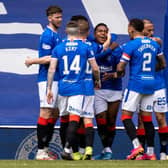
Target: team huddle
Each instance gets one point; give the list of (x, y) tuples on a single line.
[(80, 78)]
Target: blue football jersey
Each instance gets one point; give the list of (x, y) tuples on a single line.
[(141, 54), (107, 61), (72, 58), (159, 77), (89, 84), (48, 40)]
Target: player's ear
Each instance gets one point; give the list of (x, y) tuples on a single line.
[(143, 32), (49, 18)]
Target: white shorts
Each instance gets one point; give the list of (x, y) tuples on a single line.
[(160, 101), (88, 107), (133, 101), (103, 97), (70, 104), (42, 87)]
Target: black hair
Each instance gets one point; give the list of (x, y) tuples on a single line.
[(78, 17), (100, 24), (147, 21), (137, 24)]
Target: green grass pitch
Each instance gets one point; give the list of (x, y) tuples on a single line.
[(82, 164)]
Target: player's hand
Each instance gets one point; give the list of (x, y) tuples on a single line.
[(107, 43), (97, 84), (158, 40), (28, 61), (49, 96), (107, 76), (109, 35)]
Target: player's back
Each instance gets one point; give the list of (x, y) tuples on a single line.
[(72, 58), (142, 53)]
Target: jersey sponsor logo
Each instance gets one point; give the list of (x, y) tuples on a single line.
[(28, 147), (105, 68), (46, 46), (72, 109), (85, 113)]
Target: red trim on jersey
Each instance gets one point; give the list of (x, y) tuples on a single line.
[(42, 121), (101, 121), (140, 131), (52, 120), (64, 119), (81, 131), (88, 125), (163, 130), (146, 118), (111, 128), (124, 117), (74, 118), (126, 56)]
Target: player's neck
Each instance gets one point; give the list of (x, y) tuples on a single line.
[(138, 35), (84, 38), (54, 29), (72, 38)]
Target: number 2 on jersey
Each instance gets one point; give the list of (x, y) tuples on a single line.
[(74, 66), (147, 60)]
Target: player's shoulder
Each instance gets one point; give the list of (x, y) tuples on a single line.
[(49, 34), (84, 43), (129, 44), (46, 32), (88, 42)]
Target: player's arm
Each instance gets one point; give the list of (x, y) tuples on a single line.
[(161, 62), (96, 72), (42, 60), (51, 72), (121, 69), (125, 58), (117, 54)]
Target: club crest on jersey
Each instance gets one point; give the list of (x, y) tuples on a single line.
[(28, 147)]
